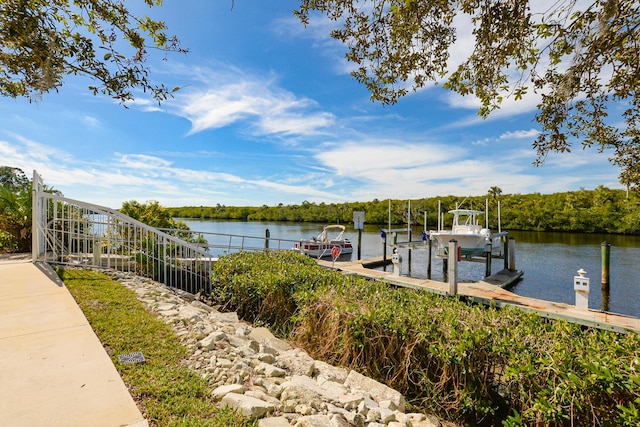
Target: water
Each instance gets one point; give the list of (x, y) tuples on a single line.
[(549, 260)]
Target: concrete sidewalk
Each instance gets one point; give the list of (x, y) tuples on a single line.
[(53, 369)]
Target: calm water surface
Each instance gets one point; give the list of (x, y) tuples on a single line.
[(549, 260)]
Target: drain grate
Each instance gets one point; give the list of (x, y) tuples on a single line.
[(136, 357)]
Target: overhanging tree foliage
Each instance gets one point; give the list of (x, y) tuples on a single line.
[(580, 56), (42, 41)]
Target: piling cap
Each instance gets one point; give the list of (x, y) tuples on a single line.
[(582, 272)]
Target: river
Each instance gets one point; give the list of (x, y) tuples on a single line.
[(549, 260)]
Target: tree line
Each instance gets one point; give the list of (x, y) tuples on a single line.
[(601, 210)]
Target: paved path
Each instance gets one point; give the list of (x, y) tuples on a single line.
[(53, 369)]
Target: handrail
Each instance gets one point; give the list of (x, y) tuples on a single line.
[(72, 232), (222, 243)]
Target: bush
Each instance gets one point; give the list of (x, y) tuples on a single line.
[(459, 360), (260, 286)]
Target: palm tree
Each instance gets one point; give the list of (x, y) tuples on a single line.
[(495, 192)]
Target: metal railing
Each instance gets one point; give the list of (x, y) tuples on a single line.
[(219, 244), (71, 232)]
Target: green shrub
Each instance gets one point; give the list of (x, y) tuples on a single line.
[(260, 286), (461, 361)]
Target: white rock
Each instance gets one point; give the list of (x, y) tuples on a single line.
[(189, 313), (224, 363), (355, 419), (297, 361), (388, 404), (247, 405), (375, 389), (350, 401), (266, 357), (262, 396), (274, 422), (314, 421), (229, 317), (264, 336), (330, 373), (269, 370), (222, 391), (338, 420), (209, 342)]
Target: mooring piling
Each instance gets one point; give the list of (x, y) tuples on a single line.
[(605, 250)]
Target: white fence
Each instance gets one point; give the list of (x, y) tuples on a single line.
[(71, 232)]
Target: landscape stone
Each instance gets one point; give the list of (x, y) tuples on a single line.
[(247, 405), (264, 335), (297, 361), (315, 421), (269, 370), (274, 422), (264, 377), (338, 420), (223, 390), (375, 389)]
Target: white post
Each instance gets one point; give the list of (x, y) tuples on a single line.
[(396, 259), (425, 232), (37, 217), (453, 267), (409, 220), (486, 213), (34, 217), (581, 286), (97, 251)]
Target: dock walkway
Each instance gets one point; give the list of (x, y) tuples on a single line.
[(54, 369), (490, 291)]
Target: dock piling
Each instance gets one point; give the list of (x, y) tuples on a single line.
[(487, 254), (505, 251), (605, 249), (383, 234), (512, 254), (453, 267)]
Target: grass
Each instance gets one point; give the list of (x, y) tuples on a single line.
[(167, 392)]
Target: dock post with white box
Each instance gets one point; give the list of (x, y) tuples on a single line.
[(396, 259), (581, 286)]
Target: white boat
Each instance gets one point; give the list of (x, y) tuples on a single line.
[(325, 246), (470, 235)]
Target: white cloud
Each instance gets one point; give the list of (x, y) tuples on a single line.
[(141, 161), (224, 98), (378, 159), (520, 134)]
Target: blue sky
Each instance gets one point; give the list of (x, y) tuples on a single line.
[(269, 114)]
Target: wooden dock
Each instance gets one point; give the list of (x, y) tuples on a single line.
[(491, 291)]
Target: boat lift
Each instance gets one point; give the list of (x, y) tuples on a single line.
[(504, 249)]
